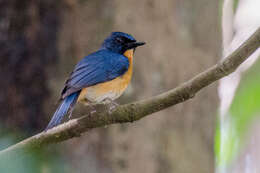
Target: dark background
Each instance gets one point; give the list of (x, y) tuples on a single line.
[(41, 41)]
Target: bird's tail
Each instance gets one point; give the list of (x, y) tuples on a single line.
[(66, 106)]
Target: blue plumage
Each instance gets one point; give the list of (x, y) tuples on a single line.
[(97, 67), (65, 107), (116, 42), (104, 65)]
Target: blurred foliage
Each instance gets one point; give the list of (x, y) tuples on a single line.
[(31, 161), (235, 5), (230, 135)]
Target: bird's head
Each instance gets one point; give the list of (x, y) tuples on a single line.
[(120, 42)]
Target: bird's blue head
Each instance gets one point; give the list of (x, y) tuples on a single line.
[(120, 42)]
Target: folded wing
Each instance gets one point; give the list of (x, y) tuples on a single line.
[(95, 68)]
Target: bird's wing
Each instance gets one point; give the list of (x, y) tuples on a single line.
[(95, 68)]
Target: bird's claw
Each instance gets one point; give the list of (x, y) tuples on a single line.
[(93, 111), (112, 108), (112, 105)]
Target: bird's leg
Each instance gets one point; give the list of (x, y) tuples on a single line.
[(87, 103), (112, 105), (93, 109), (70, 112)]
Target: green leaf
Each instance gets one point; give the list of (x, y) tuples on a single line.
[(245, 108)]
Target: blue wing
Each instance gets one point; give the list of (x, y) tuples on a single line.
[(95, 68)]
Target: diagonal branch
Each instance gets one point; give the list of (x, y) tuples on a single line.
[(137, 110)]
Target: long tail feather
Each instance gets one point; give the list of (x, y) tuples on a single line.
[(66, 106)]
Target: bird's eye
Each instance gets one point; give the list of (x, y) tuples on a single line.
[(119, 40)]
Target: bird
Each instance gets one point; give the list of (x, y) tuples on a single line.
[(100, 77)]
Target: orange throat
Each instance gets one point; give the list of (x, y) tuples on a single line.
[(110, 89), (129, 54)]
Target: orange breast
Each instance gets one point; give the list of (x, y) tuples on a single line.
[(111, 89)]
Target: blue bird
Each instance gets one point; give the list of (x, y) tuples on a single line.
[(100, 77)]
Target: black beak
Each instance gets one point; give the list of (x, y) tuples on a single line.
[(133, 45)]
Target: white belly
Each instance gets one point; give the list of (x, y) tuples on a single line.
[(92, 95)]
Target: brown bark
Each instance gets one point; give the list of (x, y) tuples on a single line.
[(28, 34)]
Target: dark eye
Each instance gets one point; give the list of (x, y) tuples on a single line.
[(119, 40)]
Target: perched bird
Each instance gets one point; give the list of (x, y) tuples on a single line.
[(100, 77)]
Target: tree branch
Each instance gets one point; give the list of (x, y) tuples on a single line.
[(137, 110)]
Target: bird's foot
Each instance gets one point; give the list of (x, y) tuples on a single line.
[(70, 112), (112, 105), (93, 109)]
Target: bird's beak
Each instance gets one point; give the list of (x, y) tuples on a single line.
[(134, 45)]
